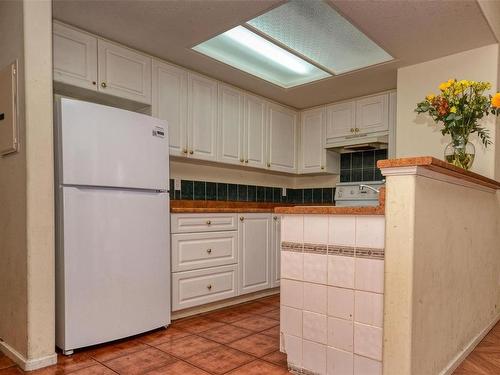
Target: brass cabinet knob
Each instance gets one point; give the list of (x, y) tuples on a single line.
[(242, 218), (209, 251), (94, 83), (209, 287), (352, 130), (184, 151), (241, 160), (322, 167), (246, 161), (357, 130), (209, 222), (275, 218), (104, 85), (268, 165), (191, 152)]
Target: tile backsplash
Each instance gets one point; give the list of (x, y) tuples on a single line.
[(361, 165), (204, 190)]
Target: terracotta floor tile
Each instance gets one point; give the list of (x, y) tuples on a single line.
[(140, 362), (257, 345), (162, 336), (257, 308), (476, 363), (67, 364), (196, 325), (277, 358), (256, 323), (11, 371), (229, 316), (107, 352), (188, 346), (273, 314), (97, 369), (273, 332), (259, 367), (225, 334), (220, 360), (5, 362), (178, 368)]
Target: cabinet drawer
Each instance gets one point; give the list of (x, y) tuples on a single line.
[(192, 251), (193, 288), (188, 223)]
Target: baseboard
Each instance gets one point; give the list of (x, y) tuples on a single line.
[(452, 366), (224, 303), (24, 363)]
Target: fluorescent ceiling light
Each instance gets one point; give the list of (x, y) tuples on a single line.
[(317, 31), (247, 51)]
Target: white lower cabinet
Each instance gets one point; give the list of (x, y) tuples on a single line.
[(194, 288), (219, 256), (255, 242)]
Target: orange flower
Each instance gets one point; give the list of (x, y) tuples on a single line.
[(495, 101)]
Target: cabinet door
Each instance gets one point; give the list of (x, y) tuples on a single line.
[(372, 114), (231, 129), (340, 120), (255, 138), (170, 103), (254, 233), (276, 252), (75, 57), (282, 145), (202, 117), (124, 72), (312, 148)]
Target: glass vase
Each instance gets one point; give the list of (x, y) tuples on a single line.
[(460, 152)]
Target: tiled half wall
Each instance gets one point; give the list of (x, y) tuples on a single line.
[(204, 190), (332, 285)]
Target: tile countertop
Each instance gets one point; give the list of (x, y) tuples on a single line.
[(199, 206)]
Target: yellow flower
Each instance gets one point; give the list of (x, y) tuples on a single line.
[(430, 97), (495, 101), (453, 109), (445, 85)]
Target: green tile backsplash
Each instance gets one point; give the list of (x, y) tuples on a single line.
[(202, 190), (361, 166)]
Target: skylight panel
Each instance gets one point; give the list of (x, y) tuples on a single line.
[(317, 31)]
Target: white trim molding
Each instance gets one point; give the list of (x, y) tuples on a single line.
[(25, 363)]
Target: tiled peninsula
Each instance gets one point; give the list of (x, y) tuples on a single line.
[(332, 285)]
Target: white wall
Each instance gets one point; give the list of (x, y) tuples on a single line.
[(417, 135)]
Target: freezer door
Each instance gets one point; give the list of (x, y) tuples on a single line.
[(106, 146), (116, 265)]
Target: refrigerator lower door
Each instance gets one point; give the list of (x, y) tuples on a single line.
[(115, 258)]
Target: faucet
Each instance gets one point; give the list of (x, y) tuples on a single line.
[(362, 186)]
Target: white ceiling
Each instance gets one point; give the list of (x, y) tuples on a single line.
[(411, 31)]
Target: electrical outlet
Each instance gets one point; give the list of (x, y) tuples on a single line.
[(177, 184)]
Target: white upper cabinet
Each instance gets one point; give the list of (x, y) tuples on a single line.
[(282, 141), (75, 57), (255, 138), (124, 72), (169, 102), (254, 232), (202, 117), (340, 120), (372, 114), (231, 127)]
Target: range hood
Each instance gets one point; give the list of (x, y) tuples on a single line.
[(359, 143)]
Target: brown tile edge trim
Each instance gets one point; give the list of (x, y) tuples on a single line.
[(321, 249), (198, 206), (333, 210), (440, 166)]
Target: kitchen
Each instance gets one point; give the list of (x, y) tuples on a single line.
[(247, 155)]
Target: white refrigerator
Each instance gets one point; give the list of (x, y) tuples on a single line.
[(113, 229)]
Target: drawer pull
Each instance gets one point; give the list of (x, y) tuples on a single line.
[(209, 251), (209, 287), (209, 222), (275, 218), (242, 218)]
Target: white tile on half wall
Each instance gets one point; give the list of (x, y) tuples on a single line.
[(315, 268), (340, 302), (339, 362), (368, 341), (366, 366), (315, 298), (342, 230), (292, 293), (292, 265), (314, 357), (316, 229), (370, 231), (314, 327), (291, 321), (340, 334), (293, 348), (369, 275), (292, 228), (341, 271), (369, 308)]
